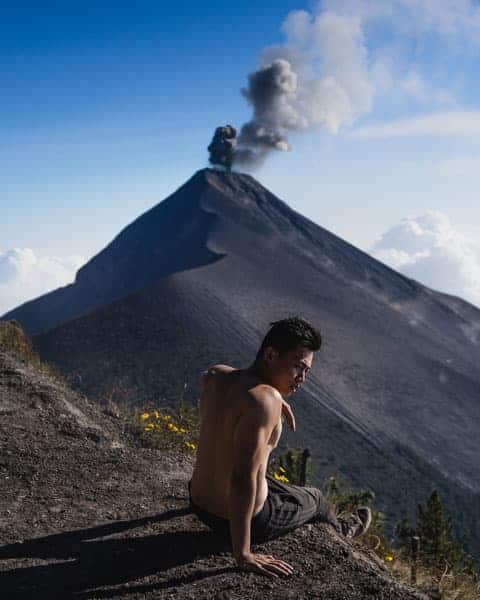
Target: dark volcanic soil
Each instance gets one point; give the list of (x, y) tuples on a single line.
[(85, 513)]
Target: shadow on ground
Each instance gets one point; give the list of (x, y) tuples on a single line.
[(80, 562)]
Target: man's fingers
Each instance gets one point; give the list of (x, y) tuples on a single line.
[(280, 566), (283, 565), (263, 570), (278, 569), (268, 565), (277, 561)]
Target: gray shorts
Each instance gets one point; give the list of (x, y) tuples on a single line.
[(287, 507)]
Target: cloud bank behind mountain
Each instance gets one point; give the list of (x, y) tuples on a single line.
[(431, 250), (427, 248), (24, 275)]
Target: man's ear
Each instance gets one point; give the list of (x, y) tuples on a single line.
[(270, 354)]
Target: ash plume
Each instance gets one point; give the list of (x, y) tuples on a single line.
[(270, 91), (222, 146), (319, 77)]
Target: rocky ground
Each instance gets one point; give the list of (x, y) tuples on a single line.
[(86, 513)]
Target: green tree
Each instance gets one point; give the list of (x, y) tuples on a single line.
[(434, 528), (404, 533)]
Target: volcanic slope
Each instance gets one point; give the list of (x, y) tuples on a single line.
[(392, 401), (86, 513)]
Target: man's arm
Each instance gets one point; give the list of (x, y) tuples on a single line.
[(250, 439), (288, 414)]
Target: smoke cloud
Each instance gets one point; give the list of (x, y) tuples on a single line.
[(319, 77), (24, 276), (222, 147), (336, 59)]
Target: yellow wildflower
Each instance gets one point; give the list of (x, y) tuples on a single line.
[(144, 416), (389, 557), (157, 414), (166, 417), (281, 469), (183, 430)]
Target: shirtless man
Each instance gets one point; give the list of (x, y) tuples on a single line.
[(241, 422)]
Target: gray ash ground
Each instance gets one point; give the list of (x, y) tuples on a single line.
[(86, 513)]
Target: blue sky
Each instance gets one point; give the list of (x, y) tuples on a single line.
[(108, 107)]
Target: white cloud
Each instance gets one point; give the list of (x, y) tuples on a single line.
[(24, 276), (446, 18), (329, 57), (352, 54), (417, 87), (456, 123), (347, 55), (430, 250)]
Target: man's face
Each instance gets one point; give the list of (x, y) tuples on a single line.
[(288, 371)]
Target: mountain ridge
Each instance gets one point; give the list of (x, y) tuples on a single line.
[(163, 213)]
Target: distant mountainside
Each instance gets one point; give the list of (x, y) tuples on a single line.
[(393, 399)]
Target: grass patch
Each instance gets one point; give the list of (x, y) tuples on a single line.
[(13, 340), (172, 429), (449, 584)]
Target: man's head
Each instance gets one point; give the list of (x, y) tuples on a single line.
[(286, 353)]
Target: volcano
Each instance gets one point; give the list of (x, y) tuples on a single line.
[(393, 399)]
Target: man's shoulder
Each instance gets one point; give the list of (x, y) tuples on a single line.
[(264, 393), (262, 403)]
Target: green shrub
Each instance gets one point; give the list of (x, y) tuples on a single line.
[(293, 466), (14, 341), (170, 429)]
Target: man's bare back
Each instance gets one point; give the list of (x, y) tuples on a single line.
[(241, 423), (226, 395), (241, 412)]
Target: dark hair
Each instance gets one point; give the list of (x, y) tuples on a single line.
[(287, 334)]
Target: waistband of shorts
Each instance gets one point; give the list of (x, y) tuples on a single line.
[(260, 518)]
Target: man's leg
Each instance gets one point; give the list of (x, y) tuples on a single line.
[(291, 506)]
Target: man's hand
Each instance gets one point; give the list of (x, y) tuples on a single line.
[(288, 414), (265, 564)]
